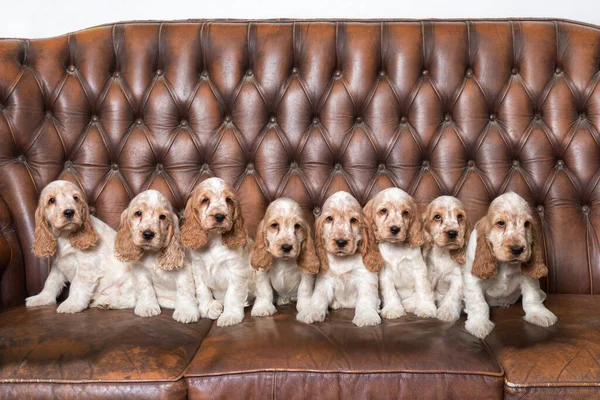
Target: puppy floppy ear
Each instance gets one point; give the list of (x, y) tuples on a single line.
[(425, 221), (125, 249), (260, 258), (307, 261), (86, 236), (485, 264), (415, 236), (460, 255), (535, 267), (320, 244), (192, 234), (171, 257), (368, 247), (44, 243), (237, 235)]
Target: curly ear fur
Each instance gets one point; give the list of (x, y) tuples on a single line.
[(237, 235), (260, 258), (125, 249), (460, 255), (320, 244), (44, 243), (415, 235), (192, 234), (86, 236), (368, 247), (171, 257), (307, 261), (535, 267), (427, 238), (485, 264)]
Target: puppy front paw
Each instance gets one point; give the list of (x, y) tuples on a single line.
[(309, 316), (448, 314), (426, 310), (213, 310), (409, 304), (282, 301), (392, 311), (479, 328), (366, 318), (541, 317), (186, 315), (263, 309), (39, 300), (147, 310), (70, 306), (230, 318)]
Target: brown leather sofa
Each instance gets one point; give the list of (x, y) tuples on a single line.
[(303, 109)]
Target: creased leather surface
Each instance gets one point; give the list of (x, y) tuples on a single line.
[(12, 273), (306, 108), (557, 362), (94, 346)]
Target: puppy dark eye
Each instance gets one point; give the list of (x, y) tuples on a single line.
[(527, 224), (76, 198), (437, 217), (501, 224), (162, 216), (52, 200), (383, 211), (460, 217), (138, 213), (274, 225), (405, 213), (205, 200), (228, 200), (297, 226), (329, 219), (353, 220)]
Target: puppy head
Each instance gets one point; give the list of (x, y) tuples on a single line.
[(395, 217), (342, 230), (149, 224), (62, 209), (509, 233), (284, 233), (213, 207), (446, 225)]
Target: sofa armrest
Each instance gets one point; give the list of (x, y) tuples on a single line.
[(12, 267)]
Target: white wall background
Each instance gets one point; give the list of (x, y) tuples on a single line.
[(44, 18)]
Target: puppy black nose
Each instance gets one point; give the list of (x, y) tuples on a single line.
[(452, 234), (219, 217), (395, 230), (69, 213), (286, 248), (148, 235), (516, 250), (341, 243)]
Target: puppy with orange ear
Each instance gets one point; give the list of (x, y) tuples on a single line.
[(81, 250), (504, 262), (148, 238), (285, 249), (403, 280), (219, 247), (446, 237), (350, 261)]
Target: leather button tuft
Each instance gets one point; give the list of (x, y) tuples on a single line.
[(250, 167), (21, 158), (315, 120), (560, 163), (538, 117), (138, 121), (249, 73), (515, 163), (48, 114), (469, 73), (204, 74), (447, 118), (68, 164), (272, 120), (515, 71), (92, 210), (492, 117), (205, 167), (337, 167), (184, 122), (71, 68), (585, 209), (426, 164), (540, 209), (381, 167), (425, 72), (471, 164), (403, 120), (557, 71), (382, 73), (117, 74), (159, 167), (317, 211), (159, 72), (114, 167), (337, 73), (359, 120), (294, 165), (94, 118), (582, 115), (294, 70), (228, 119)]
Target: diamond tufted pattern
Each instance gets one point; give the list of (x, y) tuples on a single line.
[(303, 109)]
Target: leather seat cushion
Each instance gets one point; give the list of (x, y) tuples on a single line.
[(557, 362), (287, 359), (39, 347)]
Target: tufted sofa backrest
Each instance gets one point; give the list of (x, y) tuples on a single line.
[(307, 108)]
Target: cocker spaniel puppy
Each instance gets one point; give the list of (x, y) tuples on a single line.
[(149, 239), (215, 233), (505, 262), (81, 251), (446, 237), (285, 249), (350, 261), (403, 280)]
